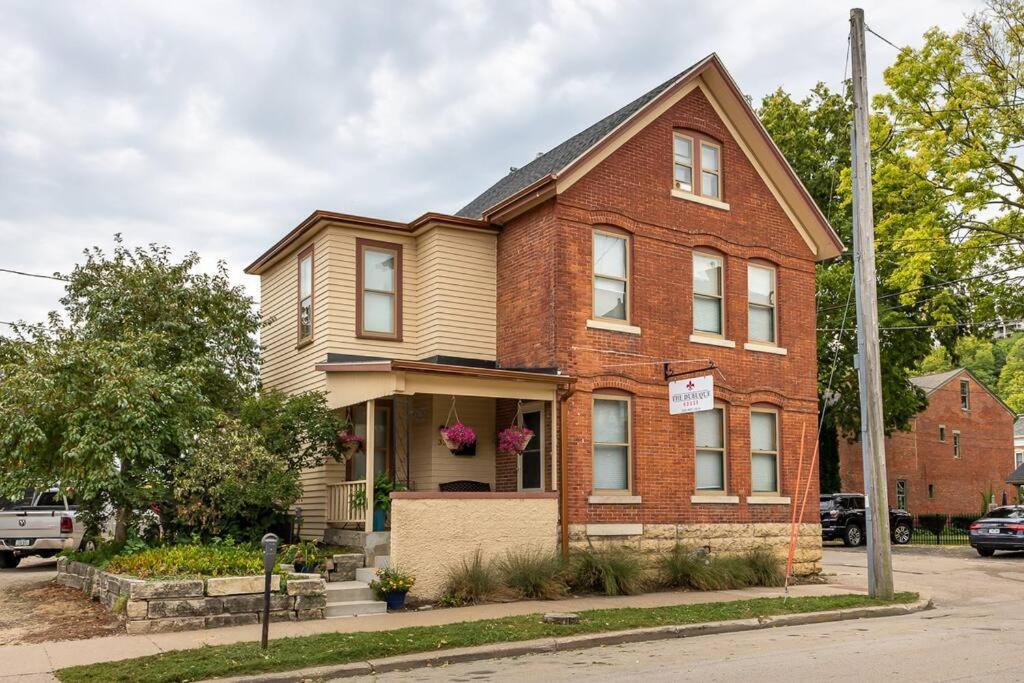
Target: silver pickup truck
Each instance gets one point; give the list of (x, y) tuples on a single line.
[(42, 524)]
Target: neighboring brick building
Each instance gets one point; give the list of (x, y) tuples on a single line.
[(957, 449), (669, 237)]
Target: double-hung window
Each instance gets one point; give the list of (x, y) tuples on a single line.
[(761, 320), (957, 453), (306, 295), (696, 166), (965, 394), (764, 451), (611, 443), (379, 284), (710, 170), (611, 276), (682, 157), (708, 309), (709, 438)]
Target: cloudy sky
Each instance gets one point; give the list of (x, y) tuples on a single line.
[(218, 126)]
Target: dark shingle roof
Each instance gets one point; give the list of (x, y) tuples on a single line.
[(1017, 477), (562, 155), (935, 380)]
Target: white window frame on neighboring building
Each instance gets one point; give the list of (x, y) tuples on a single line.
[(957, 446)]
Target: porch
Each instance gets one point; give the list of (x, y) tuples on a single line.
[(398, 408)]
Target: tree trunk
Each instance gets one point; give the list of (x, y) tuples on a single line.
[(121, 524)]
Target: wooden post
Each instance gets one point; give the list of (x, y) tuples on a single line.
[(869, 366), (370, 448)]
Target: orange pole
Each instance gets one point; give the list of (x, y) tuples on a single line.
[(796, 492)]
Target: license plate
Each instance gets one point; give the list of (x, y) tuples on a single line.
[(22, 542), (993, 531)]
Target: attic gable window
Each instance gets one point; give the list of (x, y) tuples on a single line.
[(305, 312), (697, 168), (965, 394)]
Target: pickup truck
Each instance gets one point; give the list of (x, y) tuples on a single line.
[(843, 516), (41, 524)]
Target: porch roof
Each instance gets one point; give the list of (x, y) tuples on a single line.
[(351, 382)]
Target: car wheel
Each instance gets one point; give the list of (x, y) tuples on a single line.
[(986, 552), (853, 536), (901, 534), (9, 560)]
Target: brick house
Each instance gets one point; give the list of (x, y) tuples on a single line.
[(956, 449), (669, 237)]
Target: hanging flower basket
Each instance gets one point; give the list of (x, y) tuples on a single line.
[(349, 444), (514, 439), (458, 437)]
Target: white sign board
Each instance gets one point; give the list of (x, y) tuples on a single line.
[(691, 395)]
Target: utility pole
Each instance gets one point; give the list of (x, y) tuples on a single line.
[(872, 442)]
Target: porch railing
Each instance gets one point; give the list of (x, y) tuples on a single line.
[(346, 502)]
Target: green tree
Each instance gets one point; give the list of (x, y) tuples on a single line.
[(146, 361), (937, 360), (1011, 379), (978, 356)]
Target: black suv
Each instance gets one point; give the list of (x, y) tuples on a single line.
[(842, 516)]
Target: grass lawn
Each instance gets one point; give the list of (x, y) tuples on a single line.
[(288, 654)]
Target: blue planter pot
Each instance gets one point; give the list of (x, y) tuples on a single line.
[(379, 520), (395, 600)]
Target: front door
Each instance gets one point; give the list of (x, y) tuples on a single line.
[(531, 460)]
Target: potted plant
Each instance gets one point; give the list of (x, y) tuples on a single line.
[(513, 441), (349, 443), (306, 558), (458, 438), (382, 488), (392, 584)]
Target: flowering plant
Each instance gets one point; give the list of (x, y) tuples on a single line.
[(514, 439), (457, 436), (349, 443), (391, 580)]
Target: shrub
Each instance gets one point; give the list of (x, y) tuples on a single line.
[(934, 523), (684, 567), (615, 571), (766, 567), (473, 581), (533, 574), (190, 560)]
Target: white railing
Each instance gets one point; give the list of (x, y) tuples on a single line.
[(346, 502)]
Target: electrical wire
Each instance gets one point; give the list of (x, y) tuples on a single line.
[(38, 275)]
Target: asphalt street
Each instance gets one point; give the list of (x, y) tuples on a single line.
[(974, 633)]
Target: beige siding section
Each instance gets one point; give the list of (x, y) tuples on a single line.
[(432, 463)]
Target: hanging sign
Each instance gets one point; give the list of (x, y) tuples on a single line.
[(691, 395)]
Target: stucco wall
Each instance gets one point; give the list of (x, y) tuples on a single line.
[(431, 533)]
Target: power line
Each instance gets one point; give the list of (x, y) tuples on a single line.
[(931, 327), (38, 275)]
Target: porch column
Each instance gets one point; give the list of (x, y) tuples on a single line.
[(370, 448), (554, 441)]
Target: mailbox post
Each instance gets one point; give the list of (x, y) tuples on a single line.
[(269, 544)]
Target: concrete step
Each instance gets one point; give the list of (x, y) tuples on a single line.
[(348, 591), (354, 608), (366, 574), (382, 561)]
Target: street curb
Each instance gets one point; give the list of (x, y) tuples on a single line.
[(577, 642)]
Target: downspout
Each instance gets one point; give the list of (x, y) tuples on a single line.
[(563, 479)]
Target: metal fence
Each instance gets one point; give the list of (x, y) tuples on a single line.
[(943, 529)]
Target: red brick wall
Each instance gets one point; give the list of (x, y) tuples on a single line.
[(918, 457), (551, 273)]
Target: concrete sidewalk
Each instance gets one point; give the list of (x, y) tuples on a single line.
[(35, 662)]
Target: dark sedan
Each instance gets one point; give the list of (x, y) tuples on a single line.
[(1000, 529)]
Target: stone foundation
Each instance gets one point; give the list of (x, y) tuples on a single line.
[(652, 539), (160, 606)]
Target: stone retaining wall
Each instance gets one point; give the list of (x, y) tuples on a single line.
[(185, 605), (651, 539)]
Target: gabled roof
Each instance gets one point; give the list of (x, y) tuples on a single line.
[(1018, 427), (1017, 477), (934, 381), (563, 162)]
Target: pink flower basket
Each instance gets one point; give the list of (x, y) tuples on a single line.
[(457, 436), (513, 441), (349, 443)]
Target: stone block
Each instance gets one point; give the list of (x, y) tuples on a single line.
[(310, 601), (307, 587), (220, 620), (660, 531), (280, 615), (136, 609), (73, 581), (149, 590), (254, 603), (240, 585), (62, 564), (194, 607), (309, 614), (165, 625), (345, 566)]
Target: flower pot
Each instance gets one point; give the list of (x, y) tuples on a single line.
[(380, 518), (349, 449), (395, 600)]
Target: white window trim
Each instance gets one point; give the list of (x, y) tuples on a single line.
[(763, 343), (942, 433), (615, 500), (533, 407), (958, 447), (724, 451), (717, 173), (692, 165), (714, 500), (608, 325), (778, 470), (699, 199), (628, 491), (721, 297), (712, 341), (594, 275), (965, 383), (767, 499), (765, 348)]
